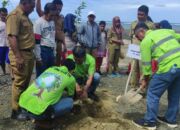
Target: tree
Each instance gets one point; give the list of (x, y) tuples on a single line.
[(78, 12), (5, 3)]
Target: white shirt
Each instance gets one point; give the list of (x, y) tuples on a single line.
[(3, 36), (45, 29)]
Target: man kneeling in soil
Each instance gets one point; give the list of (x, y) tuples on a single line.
[(43, 100), (86, 78)]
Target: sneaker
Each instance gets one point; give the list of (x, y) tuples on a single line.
[(17, 115), (22, 117), (112, 75), (99, 72), (93, 97), (144, 125), (165, 121), (118, 75), (14, 114)]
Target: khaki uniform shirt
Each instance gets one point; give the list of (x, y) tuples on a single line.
[(19, 25), (133, 25), (59, 25), (113, 36)]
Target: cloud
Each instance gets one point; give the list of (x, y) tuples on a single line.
[(135, 6), (109, 8), (173, 5)]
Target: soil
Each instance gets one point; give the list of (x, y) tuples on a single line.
[(106, 114)]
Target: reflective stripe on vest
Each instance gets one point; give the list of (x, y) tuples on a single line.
[(179, 40), (146, 63), (161, 42), (168, 54)]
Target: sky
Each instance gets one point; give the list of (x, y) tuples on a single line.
[(126, 9)]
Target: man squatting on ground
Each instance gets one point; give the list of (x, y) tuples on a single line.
[(86, 78), (45, 98)]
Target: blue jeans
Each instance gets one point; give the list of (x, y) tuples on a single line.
[(4, 55), (159, 83), (96, 79), (62, 107), (48, 58), (95, 83)]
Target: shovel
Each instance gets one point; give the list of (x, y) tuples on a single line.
[(132, 96)]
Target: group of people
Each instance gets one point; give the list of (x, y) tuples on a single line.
[(62, 79), (58, 82)]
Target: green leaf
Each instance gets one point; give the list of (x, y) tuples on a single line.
[(4, 3), (78, 11)]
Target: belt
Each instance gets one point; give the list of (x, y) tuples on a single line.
[(52, 48), (90, 47)]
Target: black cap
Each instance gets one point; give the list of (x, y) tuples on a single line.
[(141, 25), (144, 8), (70, 64), (102, 23), (57, 2), (79, 51)]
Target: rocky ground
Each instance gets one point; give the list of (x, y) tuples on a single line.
[(104, 115)]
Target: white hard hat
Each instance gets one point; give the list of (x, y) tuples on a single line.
[(91, 13)]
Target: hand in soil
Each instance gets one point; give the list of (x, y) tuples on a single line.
[(84, 95)]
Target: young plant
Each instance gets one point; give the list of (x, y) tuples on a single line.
[(5, 3), (78, 12)]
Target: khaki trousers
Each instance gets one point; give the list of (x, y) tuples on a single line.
[(113, 57), (21, 77)]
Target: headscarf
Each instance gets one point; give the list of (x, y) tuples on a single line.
[(118, 30), (69, 26)]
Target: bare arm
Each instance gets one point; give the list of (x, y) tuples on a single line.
[(86, 87), (64, 44), (38, 8), (88, 83), (145, 81)]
